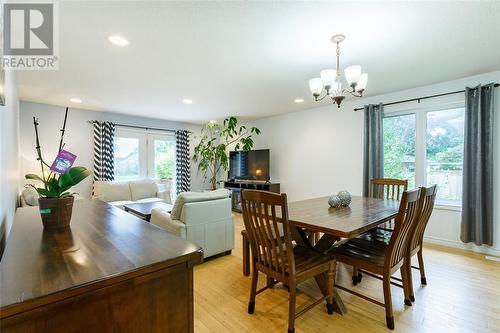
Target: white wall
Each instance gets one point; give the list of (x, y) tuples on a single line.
[(318, 152), (9, 156), (78, 137)]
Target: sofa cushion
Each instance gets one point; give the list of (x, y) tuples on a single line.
[(186, 197), (144, 188), (112, 190)]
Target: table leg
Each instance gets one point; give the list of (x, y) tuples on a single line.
[(323, 244)]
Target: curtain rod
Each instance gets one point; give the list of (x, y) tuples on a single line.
[(142, 127), (425, 97)]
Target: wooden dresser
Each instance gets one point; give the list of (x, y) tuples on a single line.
[(111, 272)]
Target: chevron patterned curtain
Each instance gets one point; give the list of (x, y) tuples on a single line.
[(183, 161), (104, 133)]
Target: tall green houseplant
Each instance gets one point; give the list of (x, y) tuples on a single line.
[(211, 153)]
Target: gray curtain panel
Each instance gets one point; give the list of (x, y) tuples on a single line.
[(477, 199), (183, 161), (104, 136), (373, 158)]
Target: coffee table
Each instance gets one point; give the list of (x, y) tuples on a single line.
[(143, 209)]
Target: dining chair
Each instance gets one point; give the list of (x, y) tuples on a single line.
[(416, 241), (384, 261), (275, 256), (387, 188), (382, 188)]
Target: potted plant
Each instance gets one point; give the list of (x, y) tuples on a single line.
[(56, 201), (211, 152)]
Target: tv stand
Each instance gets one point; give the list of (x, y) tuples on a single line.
[(236, 186)]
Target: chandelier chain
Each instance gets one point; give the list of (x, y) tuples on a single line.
[(338, 60)]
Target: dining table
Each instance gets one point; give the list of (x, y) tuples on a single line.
[(315, 216)]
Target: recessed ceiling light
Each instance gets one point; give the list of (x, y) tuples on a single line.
[(118, 40), (187, 101), (75, 100), (299, 100)]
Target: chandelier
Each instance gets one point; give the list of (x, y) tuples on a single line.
[(329, 83)]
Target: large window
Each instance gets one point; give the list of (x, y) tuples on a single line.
[(444, 153), (161, 151), (126, 158), (426, 147), (140, 154), (399, 148)]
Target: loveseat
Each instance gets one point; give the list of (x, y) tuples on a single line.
[(119, 193)]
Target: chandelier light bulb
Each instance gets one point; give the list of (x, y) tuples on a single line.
[(316, 86), (328, 76), (352, 74), (363, 80)]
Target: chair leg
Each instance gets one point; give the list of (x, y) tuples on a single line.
[(420, 257), (409, 275), (330, 284), (389, 317), (246, 255), (291, 309), (354, 275), (253, 291), (404, 279)]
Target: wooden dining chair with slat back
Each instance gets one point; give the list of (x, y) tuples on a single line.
[(416, 243), (383, 188), (384, 261), (387, 188), (275, 256)]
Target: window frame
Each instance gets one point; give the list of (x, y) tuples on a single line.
[(420, 112), (141, 136), (146, 149), (150, 139)]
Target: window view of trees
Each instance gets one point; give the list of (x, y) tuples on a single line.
[(445, 144), (164, 159), (399, 148), (142, 155)]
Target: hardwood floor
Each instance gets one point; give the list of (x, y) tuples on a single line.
[(462, 295)]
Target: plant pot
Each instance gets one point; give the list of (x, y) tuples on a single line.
[(56, 212)]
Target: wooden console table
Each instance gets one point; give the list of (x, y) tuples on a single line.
[(110, 272), (236, 187)]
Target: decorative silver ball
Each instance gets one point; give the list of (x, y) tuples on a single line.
[(334, 201), (345, 198)]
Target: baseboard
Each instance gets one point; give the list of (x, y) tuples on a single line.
[(459, 245)]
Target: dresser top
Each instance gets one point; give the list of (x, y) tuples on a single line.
[(104, 245)]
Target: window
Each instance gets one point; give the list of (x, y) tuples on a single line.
[(126, 158), (399, 148), (162, 154), (444, 153), (426, 147), (141, 154)]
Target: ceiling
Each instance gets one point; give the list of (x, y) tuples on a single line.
[(253, 59)]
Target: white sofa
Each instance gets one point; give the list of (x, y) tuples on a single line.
[(119, 193), (203, 218)]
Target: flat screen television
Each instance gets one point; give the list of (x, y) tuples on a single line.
[(249, 165)]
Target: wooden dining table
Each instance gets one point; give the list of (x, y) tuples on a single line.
[(311, 216)]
